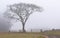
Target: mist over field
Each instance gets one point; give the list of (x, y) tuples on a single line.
[(48, 19), (4, 24)]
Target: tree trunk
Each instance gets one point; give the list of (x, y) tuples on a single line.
[(23, 27)]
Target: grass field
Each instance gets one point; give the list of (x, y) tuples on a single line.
[(52, 32), (28, 35), (21, 35)]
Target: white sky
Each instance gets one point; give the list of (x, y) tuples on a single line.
[(48, 19)]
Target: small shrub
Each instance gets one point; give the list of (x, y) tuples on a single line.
[(41, 37)]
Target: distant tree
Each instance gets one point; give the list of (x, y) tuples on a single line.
[(41, 30), (23, 11), (53, 29)]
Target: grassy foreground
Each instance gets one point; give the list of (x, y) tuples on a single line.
[(21, 35), (28, 35), (53, 33)]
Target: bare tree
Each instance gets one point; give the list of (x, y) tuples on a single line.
[(22, 10)]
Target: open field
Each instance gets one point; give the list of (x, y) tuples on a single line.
[(21, 35), (50, 34)]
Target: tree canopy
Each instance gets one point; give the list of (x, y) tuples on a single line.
[(23, 11)]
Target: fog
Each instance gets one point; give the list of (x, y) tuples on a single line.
[(48, 19), (4, 24)]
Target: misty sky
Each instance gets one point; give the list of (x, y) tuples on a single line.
[(48, 19), (4, 24)]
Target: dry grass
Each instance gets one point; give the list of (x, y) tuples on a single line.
[(20, 35), (53, 33)]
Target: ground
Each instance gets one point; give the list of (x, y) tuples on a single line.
[(52, 34), (48, 34), (21, 35)]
